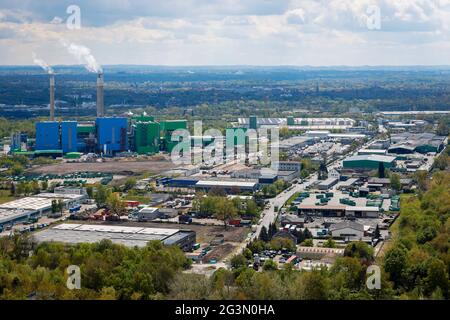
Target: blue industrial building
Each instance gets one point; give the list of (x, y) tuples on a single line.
[(112, 135), (48, 136), (69, 136)]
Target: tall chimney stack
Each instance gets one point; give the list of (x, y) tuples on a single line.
[(52, 97), (100, 102)]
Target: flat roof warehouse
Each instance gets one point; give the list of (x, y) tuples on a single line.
[(128, 236)]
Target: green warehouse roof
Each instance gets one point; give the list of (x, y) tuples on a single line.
[(371, 157), (368, 161)]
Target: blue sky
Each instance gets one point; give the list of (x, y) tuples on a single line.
[(228, 32)]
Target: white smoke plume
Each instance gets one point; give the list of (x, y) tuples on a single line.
[(42, 63), (84, 56)]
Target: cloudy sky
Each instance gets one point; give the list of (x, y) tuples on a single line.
[(229, 32)]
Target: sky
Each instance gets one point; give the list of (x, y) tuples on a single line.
[(226, 32)]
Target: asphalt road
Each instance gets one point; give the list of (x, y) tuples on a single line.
[(269, 215)]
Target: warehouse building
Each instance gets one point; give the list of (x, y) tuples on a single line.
[(40, 204), (404, 143), (295, 143), (297, 123), (327, 184), (229, 186), (148, 214), (368, 162), (372, 151), (11, 216), (347, 229), (128, 236), (290, 166), (338, 210)]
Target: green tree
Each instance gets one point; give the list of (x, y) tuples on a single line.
[(442, 161), (263, 235), (270, 265), (224, 210), (307, 243), (360, 250), (60, 205), (395, 182), (420, 177), (312, 286), (44, 185), (395, 263), (238, 261), (279, 243), (329, 243), (17, 169), (101, 195), (130, 183), (437, 277), (115, 205), (90, 191)]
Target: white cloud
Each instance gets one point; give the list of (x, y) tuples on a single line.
[(231, 32)]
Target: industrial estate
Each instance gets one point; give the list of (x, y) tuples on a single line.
[(341, 183), (224, 150)]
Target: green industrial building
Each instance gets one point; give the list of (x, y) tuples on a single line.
[(368, 162), (239, 136), (253, 122), (290, 121), (147, 137), (167, 128)]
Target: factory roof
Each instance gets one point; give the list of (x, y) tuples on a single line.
[(371, 157), (293, 141), (413, 112), (367, 209), (328, 181), (7, 215), (297, 121), (30, 203), (347, 224), (40, 201), (59, 196), (372, 151), (346, 135), (325, 207), (348, 182), (225, 183), (129, 236)]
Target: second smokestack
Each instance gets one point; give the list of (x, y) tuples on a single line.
[(100, 102), (52, 97)]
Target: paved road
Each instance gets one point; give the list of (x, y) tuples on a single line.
[(269, 215)]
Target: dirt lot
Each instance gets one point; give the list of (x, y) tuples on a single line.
[(110, 166), (219, 252)]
